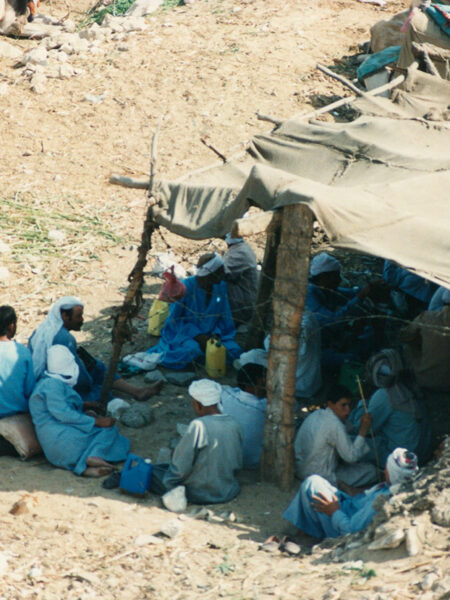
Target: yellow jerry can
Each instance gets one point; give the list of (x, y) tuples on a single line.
[(157, 316), (216, 358)]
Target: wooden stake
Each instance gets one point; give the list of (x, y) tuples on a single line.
[(342, 79), (375, 451), (133, 299), (269, 119), (292, 271)]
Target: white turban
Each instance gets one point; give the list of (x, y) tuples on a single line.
[(401, 464), (211, 266), (324, 263), (61, 364), (206, 391), (231, 240), (446, 297), (44, 334)]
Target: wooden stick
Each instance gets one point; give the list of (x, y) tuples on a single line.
[(257, 223), (133, 298), (374, 92), (130, 182), (262, 117), (375, 451), (342, 80), (219, 154)]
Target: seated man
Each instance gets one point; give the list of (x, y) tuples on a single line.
[(69, 438), (16, 373), (241, 276), (323, 447), (64, 316), (439, 299), (334, 307), (398, 414), (427, 346), (247, 405), (321, 510), (204, 311), (417, 290), (208, 455)]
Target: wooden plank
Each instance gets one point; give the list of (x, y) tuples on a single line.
[(292, 271), (257, 223)]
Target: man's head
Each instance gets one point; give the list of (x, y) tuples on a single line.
[(210, 270), (325, 271), (339, 401), (401, 465), (251, 378), (205, 395), (72, 318), (8, 321)]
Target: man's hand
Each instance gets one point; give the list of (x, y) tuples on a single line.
[(321, 504), (104, 421), (364, 426), (202, 340)]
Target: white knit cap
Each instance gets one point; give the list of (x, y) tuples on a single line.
[(401, 464), (206, 391), (211, 266), (61, 364), (324, 263)]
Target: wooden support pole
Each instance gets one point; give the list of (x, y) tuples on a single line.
[(259, 322), (288, 301), (130, 182), (257, 223)]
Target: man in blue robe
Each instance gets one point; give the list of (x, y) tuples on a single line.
[(202, 313), (321, 510)]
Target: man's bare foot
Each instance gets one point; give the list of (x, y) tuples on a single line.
[(98, 471), (148, 391), (96, 461)]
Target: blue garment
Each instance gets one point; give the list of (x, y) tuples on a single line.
[(440, 13), (376, 62), (409, 283), (16, 378), (393, 428), (67, 435), (354, 514), (192, 316), (250, 412), (90, 382), (436, 302)]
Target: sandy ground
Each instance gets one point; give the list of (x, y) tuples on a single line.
[(207, 68)]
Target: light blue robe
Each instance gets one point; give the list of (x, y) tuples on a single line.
[(192, 316), (354, 514), (16, 378), (67, 435), (419, 288), (393, 428)]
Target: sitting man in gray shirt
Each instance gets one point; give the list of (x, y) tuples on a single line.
[(208, 455)]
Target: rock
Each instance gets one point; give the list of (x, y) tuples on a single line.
[(94, 99), (56, 235), (137, 415), (164, 455), (428, 581), (3, 91), (413, 545), (95, 32), (116, 407), (75, 45), (35, 572), (4, 248), (175, 499), (171, 528), (39, 83), (440, 513), (70, 26), (154, 376), (144, 539), (134, 24), (140, 8), (390, 539), (113, 23), (66, 71), (9, 51), (36, 56), (19, 508), (182, 378), (201, 513)]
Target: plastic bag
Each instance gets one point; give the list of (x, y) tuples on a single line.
[(173, 289)]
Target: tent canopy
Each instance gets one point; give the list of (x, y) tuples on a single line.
[(378, 185)]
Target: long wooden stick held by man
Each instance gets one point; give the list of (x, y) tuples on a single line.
[(375, 451), (133, 299)]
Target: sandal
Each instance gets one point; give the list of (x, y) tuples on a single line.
[(272, 544), (289, 546), (112, 482)]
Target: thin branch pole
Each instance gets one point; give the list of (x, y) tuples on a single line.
[(342, 80), (216, 152), (269, 119), (133, 299), (375, 451)]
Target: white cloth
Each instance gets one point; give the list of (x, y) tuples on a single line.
[(142, 360), (211, 266), (46, 331), (401, 464), (205, 391), (323, 263), (61, 364), (319, 444)]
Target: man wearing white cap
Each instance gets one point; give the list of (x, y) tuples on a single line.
[(333, 306), (208, 455), (203, 312), (321, 510), (241, 277)]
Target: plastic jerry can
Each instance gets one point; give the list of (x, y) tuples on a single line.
[(216, 358), (157, 316), (136, 475)]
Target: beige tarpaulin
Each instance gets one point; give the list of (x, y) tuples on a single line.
[(377, 185)]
